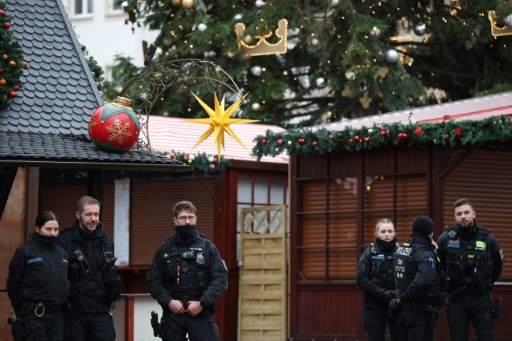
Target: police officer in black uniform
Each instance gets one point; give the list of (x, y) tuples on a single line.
[(415, 267), (37, 284), (472, 260), (374, 276), (92, 273), (186, 278)]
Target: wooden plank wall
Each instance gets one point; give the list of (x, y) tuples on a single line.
[(334, 312)]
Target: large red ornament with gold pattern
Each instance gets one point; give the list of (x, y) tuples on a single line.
[(114, 127)]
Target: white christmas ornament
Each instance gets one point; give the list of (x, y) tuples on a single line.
[(375, 31), (420, 29), (391, 56), (320, 82), (334, 2), (256, 70), (256, 107), (259, 3), (350, 75), (202, 27), (508, 20)]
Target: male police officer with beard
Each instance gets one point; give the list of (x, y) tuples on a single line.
[(472, 260), (415, 268), (186, 278), (92, 273)]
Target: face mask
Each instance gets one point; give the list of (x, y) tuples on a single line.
[(47, 240), (185, 232)]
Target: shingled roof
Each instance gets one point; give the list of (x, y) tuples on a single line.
[(46, 124)]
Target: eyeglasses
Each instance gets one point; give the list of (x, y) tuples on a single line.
[(184, 218)]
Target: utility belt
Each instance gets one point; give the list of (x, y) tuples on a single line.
[(39, 309), (468, 289), (416, 307)]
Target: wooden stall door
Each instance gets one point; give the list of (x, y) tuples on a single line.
[(263, 286)]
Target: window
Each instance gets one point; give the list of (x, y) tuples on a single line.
[(256, 190), (83, 7), (329, 216), (114, 7)]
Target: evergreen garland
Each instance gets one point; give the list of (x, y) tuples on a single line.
[(201, 162), (11, 63), (450, 133)]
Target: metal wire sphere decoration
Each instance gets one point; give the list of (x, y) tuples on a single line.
[(147, 88)]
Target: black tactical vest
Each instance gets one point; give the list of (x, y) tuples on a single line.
[(185, 269), (468, 262), (405, 268), (90, 274), (381, 272)]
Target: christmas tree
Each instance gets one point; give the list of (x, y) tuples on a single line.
[(342, 58), (11, 62)]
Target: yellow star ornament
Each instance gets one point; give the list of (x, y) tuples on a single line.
[(219, 122)]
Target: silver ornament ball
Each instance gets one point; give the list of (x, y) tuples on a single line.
[(256, 70), (391, 56), (508, 20), (420, 29), (320, 82)]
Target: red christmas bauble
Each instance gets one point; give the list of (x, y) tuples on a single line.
[(17, 87), (2, 12), (24, 64), (114, 127), (314, 143), (302, 140), (7, 25), (12, 94), (1, 70), (280, 142), (263, 142)]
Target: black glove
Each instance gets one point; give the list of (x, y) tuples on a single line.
[(393, 304), (389, 294)]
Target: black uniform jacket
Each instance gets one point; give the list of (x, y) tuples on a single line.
[(470, 234), (426, 278), (90, 293), (38, 274), (217, 273)]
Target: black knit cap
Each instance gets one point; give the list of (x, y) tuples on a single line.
[(423, 224)]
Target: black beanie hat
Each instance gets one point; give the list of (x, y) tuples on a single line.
[(423, 225)]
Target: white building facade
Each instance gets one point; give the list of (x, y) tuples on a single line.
[(100, 27)]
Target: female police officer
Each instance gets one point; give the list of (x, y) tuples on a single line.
[(37, 284), (375, 277)]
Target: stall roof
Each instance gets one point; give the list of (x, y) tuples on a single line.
[(46, 124), (179, 135), (478, 108)]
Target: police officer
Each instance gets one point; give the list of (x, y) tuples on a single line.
[(37, 284), (92, 273), (472, 260), (186, 278), (415, 267), (374, 276)]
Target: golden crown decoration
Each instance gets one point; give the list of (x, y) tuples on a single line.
[(495, 30), (263, 47)]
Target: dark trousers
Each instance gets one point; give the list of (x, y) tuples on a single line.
[(199, 328), (375, 317), (416, 326), (48, 327), (80, 326), (468, 308)]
